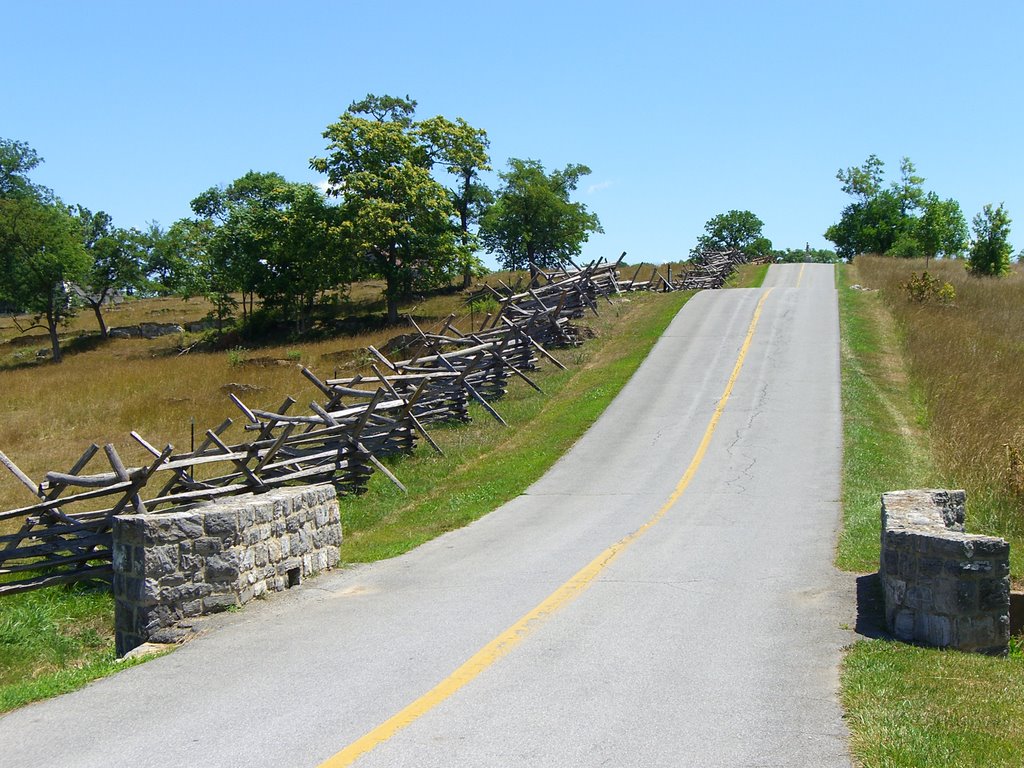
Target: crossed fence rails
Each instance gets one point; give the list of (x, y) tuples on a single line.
[(65, 534)]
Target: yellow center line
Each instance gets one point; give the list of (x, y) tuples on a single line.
[(801, 275), (515, 634)]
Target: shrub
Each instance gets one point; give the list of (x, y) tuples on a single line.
[(926, 288)]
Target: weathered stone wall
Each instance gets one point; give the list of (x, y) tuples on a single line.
[(171, 567), (943, 587)]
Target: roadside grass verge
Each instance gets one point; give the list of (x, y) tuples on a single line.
[(54, 641), (966, 362), (748, 276), (922, 708), (905, 705), (884, 444)]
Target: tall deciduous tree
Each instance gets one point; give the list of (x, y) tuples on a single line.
[(532, 221), (901, 220), (462, 150), (735, 230), (235, 248), (178, 262), (396, 215), (41, 251), (990, 251), (117, 257), (941, 229), (41, 256), (273, 239)]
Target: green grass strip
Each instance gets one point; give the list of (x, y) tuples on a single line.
[(748, 276), (63, 680), (904, 705), (920, 707), (882, 447)]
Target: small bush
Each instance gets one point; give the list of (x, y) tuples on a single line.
[(485, 305), (927, 288), (236, 356)]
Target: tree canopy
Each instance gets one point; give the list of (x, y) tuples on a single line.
[(735, 230), (41, 250), (273, 239), (17, 160), (990, 251), (398, 219), (533, 221), (117, 259), (901, 219)]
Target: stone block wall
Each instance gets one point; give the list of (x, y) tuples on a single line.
[(172, 567), (943, 587)]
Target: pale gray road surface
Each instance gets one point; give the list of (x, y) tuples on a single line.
[(714, 640)]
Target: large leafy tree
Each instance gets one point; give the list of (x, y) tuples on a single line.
[(990, 251), (41, 249), (41, 257), (735, 230), (311, 255), (941, 229), (398, 218), (533, 222), (17, 160), (235, 249), (117, 261), (273, 239), (462, 150), (880, 217), (177, 259)]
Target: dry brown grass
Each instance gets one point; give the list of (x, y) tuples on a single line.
[(50, 413), (967, 364)]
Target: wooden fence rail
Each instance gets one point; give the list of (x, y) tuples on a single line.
[(65, 533)]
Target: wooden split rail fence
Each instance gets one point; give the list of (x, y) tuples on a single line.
[(65, 534), (543, 311), (710, 270)]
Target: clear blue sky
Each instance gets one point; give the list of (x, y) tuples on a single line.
[(682, 110)]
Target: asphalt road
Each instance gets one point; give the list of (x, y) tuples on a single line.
[(712, 639)]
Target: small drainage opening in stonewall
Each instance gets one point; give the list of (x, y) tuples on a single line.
[(294, 577)]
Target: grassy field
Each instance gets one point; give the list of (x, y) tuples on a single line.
[(912, 377), (58, 639)]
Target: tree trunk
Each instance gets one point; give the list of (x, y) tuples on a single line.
[(392, 308), (99, 319), (534, 275), (51, 324)]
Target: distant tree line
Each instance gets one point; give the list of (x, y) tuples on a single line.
[(902, 219), (404, 203), (742, 231)]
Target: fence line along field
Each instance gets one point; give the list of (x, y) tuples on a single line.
[(64, 534)]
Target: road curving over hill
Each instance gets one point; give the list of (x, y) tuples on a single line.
[(663, 596)]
